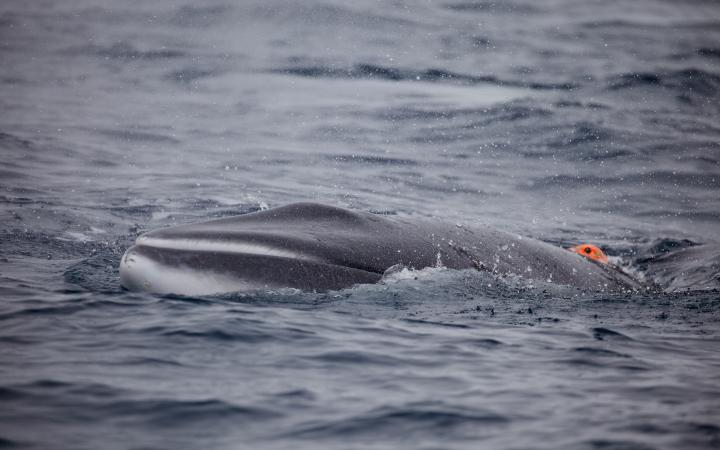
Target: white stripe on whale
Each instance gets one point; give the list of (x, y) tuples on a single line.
[(207, 245)]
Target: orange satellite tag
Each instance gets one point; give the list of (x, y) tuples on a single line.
[(591, 252)]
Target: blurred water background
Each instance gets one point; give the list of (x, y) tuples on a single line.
[(563, 120)]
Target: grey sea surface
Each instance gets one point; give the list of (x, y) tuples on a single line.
[(561, 120)]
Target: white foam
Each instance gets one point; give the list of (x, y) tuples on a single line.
[(402, 273)]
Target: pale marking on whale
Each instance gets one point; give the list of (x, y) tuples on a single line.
[(136, 271), (206, 245)]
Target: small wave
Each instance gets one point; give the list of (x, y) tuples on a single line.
[(439, 324), (680, 264), (234, 330), (486, 343), (372, 159), (12, 175), (312, 14), (147, 362), (594, 351), (296, 394), (709, 52), (97, 273), (363, 358), (8, 394), (492, 7), (663, 246), (400, 422), (64, 309), (200, 16), (51, 388), (654, 178), (472, 120), (217, 335), (139, 136), (696, 81), (85, 400), (9, 443), (583, 141), (41, 245), (125, 51), (614, 444), (14, 142), (644, 25), (606, 334), (173, 413), (603, 364), (372, 71), (190, 75)]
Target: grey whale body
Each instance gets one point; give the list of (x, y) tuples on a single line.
[(316, 247)]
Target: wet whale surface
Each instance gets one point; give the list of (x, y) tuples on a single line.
[(316, 247)]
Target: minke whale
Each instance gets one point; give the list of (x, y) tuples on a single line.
[(314, 247)]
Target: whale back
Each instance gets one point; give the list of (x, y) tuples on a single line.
[(317, 247)]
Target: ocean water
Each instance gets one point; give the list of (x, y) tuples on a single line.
[(566, 121)]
